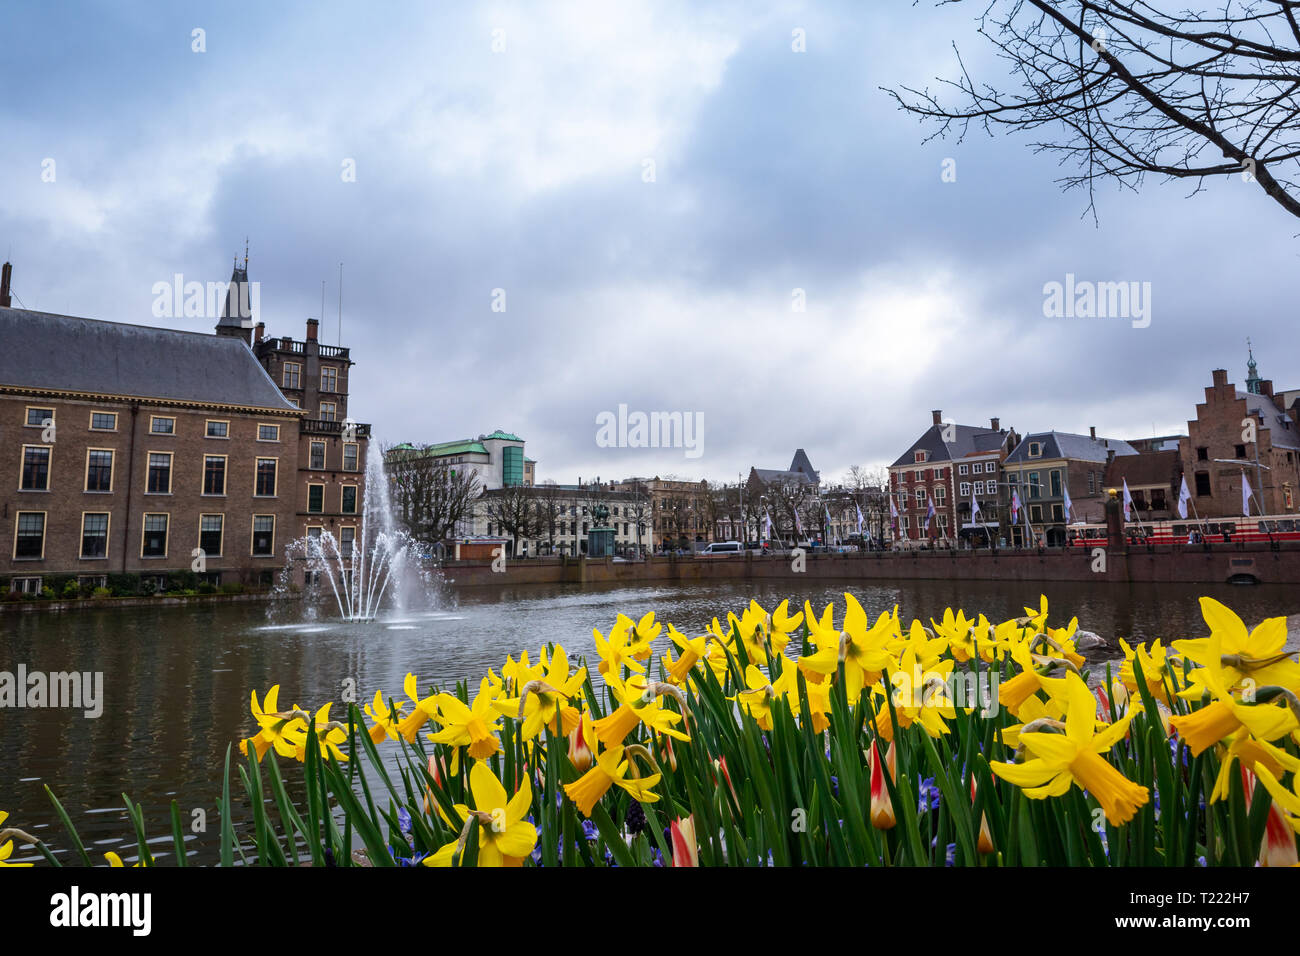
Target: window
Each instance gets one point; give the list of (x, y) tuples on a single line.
[(263, 536), (153, 543), (210, 527), (990, 467), (99, 469), (292, 375), (962, 469), (29, 536), (1202, 454), (940, 492), (160, 473), (328, 411), (1036, 513), (268, 432), (1092, 484), (1056, 483), (1203, 484), (103, 421), (159, 425), (214, 474), (36, 468), (349, 505), (1035, 490), (920, 495), (346, 538), (25, 586), (1035, 449), (94, 535), (218, 429), (921, 456), (329, 378), (296, 402), (979, 488), (918, 476), (315, 499), (39, 417), (1241, 451), (264, 486), (316, 460), (349, 456), (1058, 513)]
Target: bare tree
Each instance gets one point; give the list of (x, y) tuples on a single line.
[(640, 509), (513, 509), (547, 508), (1126, 90), (430, 498)]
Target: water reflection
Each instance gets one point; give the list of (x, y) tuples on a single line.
[(177, 680)]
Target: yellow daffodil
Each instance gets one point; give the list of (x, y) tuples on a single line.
[(505, 837), (474, 727), (1239, 654), (545, 697), (7, 846), (278, 729), (610, 769), (1074, 757)]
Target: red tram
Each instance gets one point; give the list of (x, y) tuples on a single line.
[(1256, 529)]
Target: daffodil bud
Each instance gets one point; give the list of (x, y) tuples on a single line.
[(685, 850), (579, 752)]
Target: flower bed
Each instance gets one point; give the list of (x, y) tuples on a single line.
[(790, 739)]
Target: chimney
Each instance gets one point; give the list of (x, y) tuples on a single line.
[(5, 275), (312, 325), (994, 422), (259, 332), (1220, 376), (938, 416), (1266, 387), (1092, 431)]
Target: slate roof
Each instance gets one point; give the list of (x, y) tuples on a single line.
[(967, 440), (800, 471), (1067, 445), (64, 353), (1145, 469), (1282, 430)]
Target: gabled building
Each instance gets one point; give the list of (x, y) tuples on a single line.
[(946, 465), (1218, 451), (1153, 479), (1043, 468)]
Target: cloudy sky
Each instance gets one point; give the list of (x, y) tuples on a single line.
[(648, 183)]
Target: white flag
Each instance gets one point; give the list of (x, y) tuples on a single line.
[(1245, 495), (1184, 496), (929, 513), (893, 512), (1069, 505), (1015, 505), (1128, 501), (767, 525), (859, 507), (974, 508), (798, 525)]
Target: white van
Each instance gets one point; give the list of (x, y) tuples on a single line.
[(724, 547)]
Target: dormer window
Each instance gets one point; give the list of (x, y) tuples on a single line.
[(922, 456), (1035, 449)]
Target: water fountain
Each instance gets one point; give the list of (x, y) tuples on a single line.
[(362, 572)]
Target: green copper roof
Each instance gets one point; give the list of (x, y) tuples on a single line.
[(502, 436), (442, 449)]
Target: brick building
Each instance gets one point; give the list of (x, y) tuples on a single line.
[(1044, 467), (152, 452), (946, 465), (1218, 449)]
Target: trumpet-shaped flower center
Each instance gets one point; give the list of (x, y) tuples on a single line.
[(1118, 796), (1205, 727)]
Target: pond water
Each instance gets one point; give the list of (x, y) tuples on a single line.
[(176, 681)]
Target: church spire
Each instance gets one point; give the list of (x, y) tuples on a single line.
[(1252, 373), (237, 313)]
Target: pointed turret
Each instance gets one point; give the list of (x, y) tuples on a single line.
[(237, 314)]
